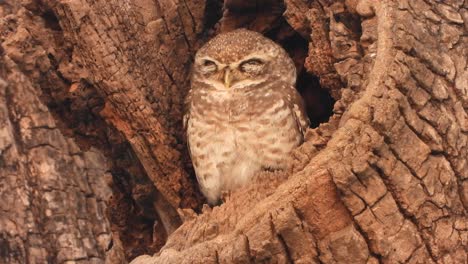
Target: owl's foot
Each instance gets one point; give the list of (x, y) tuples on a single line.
[(225, 195)]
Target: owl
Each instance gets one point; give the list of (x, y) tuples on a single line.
[(243, 113)]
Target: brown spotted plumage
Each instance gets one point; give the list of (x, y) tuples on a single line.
[(243, 111)]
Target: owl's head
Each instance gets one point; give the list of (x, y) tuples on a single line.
[(242, 59)]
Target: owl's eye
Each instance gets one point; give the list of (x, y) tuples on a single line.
[(208, 66), (251, 65)]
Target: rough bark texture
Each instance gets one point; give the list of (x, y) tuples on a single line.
[(384, 180), (388, 186), (87, 62), (53, 193)]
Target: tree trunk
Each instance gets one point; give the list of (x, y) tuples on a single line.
[(93, 163)]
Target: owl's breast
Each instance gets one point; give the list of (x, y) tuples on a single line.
[(257, 127), (251, 105)]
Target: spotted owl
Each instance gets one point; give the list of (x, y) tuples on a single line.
[(243, 113)]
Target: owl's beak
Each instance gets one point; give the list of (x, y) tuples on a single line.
[(227, 78)]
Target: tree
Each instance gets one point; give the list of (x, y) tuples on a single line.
[(91, 92)]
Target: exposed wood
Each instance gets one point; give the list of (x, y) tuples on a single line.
[(53, 193)]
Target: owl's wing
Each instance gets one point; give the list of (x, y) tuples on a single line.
[(296, 104), (186, 109), (185, 120)]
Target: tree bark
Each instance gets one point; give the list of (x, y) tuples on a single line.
[(53, 193), (91, 92)]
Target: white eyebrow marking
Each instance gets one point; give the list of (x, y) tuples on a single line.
[(251, 56), (211, 59)]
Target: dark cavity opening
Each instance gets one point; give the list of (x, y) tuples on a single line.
[(213, 13), (51, 21), (318, 101)]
